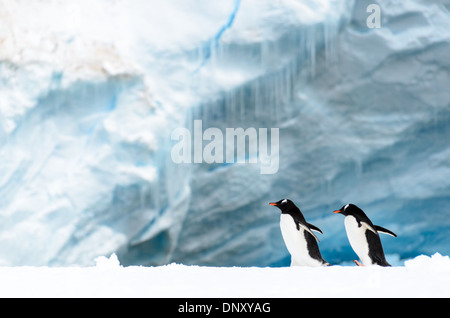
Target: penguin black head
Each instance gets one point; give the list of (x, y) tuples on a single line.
[(350, 209), (284, 205)]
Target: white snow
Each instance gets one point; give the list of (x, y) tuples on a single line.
[(423, 276)]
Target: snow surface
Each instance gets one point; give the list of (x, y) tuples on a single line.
[(422, 276)]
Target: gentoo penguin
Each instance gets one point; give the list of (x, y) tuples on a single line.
[(298, 235), (363, 236)]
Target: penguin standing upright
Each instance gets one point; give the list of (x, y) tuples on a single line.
[(363, 236), (298, 235)]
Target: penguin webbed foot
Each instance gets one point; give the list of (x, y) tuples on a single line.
[(358, 263)]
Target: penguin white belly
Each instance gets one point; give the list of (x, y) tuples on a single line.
[(357, 238), (296, 243)]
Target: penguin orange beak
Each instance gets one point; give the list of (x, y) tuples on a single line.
[(273, 203), (337, 211)]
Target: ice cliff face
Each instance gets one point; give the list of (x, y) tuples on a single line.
[(90, 93)]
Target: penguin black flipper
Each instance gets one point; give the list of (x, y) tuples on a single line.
[(385, 231), (307, 228), (368, 226), (314, 228), (301, 222)]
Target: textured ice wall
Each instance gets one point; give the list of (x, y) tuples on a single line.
[(81, 128)]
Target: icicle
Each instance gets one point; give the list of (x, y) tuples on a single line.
[(312, 51)]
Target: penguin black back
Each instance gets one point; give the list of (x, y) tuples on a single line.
[(376, 252)]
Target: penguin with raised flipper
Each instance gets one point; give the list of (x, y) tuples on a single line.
[(298, 235), (363, 236)]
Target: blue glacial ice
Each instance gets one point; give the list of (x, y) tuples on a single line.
[(90, 93)]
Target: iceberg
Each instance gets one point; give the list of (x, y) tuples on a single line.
[(91, 93)]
